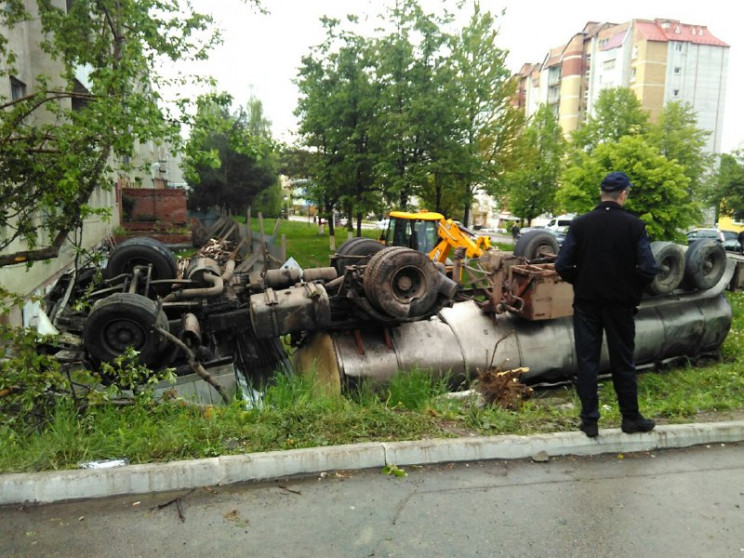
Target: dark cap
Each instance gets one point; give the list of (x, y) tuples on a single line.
[(615, 181)]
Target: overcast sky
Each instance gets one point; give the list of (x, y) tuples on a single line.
[(261, 53)]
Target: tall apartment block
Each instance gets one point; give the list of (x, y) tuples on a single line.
[(661, 60)]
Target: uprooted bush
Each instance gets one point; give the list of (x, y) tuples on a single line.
[(503, 388)]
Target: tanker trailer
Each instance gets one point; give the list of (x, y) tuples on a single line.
[(463, 338)]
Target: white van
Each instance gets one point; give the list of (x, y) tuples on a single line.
[(560, 223)]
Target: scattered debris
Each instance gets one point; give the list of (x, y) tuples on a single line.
[(394, 471), (104, 464), (176, 501), (504, 388), (283, 487)]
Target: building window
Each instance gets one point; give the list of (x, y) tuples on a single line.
[(17, 89), (608, 64), (633, 74), (678, 47), (739, 216), (675, 93), (677, 70), (635, 52)]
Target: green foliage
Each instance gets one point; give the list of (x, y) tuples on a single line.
[(57, 140), (414, 111), (617, 113), (727, 191), (29, 378), (678, 138), (33, 383), (532, 185), (269, 202), (229, 158), (414, 390), (660, 196)]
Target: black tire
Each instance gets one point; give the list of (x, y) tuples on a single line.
[(536, 244), (356, 247), (671, 260), (142, 251), (705, 263), (125, 320), (401, 282)]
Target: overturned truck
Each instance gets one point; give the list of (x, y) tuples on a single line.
[(374, 311)]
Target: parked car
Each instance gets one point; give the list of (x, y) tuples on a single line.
[(560, 223), (729, 239)]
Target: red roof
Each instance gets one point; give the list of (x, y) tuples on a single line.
[(615, 41), (664, 30)]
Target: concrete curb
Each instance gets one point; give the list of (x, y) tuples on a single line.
[(57, 486)]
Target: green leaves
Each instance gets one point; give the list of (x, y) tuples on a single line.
[(415, 110), (230, 157), (57, 142), (660, 193)]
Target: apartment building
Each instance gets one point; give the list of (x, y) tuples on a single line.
[(661, 60)]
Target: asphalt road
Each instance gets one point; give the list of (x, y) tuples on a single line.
[(668, 503)]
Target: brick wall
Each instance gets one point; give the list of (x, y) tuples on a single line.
[(168, 206)]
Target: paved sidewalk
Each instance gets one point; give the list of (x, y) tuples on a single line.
[(57, 486)]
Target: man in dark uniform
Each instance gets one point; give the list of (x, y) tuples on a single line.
[(607, 258)]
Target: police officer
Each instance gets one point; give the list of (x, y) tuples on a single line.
[(607, 258)]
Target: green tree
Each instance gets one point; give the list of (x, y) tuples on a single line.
[(57, 140), (337, 107), (489, 124), (727, 190), (660, 195), (417, 128), (532, 185), (617, 113), (229, 157), (677, 137)]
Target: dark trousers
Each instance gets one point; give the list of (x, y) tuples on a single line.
[(590, 320)]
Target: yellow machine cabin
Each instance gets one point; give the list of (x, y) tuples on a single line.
[(432, 233)]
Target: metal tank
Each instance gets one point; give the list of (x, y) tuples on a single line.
[(461, 340)]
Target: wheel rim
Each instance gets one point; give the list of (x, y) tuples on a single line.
[(668, 268), (407, 284), (122, 333)]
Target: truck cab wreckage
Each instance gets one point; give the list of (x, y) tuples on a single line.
[(373, 312)]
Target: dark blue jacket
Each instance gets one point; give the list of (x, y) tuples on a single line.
[(607, 257)]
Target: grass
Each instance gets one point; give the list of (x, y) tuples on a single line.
[(411, 406), (305, 244)]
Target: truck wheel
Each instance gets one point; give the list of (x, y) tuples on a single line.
[(357, 247), (125, 320), (142, 251), (536, 244), (671, 260), (401, 282), (705, 263)]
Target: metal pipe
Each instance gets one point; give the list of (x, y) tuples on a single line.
[(216, 289), (461, 340)]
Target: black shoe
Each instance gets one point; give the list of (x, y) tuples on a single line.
[(639, 424), (590, 429)]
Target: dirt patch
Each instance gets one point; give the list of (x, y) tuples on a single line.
[(503, 388)]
